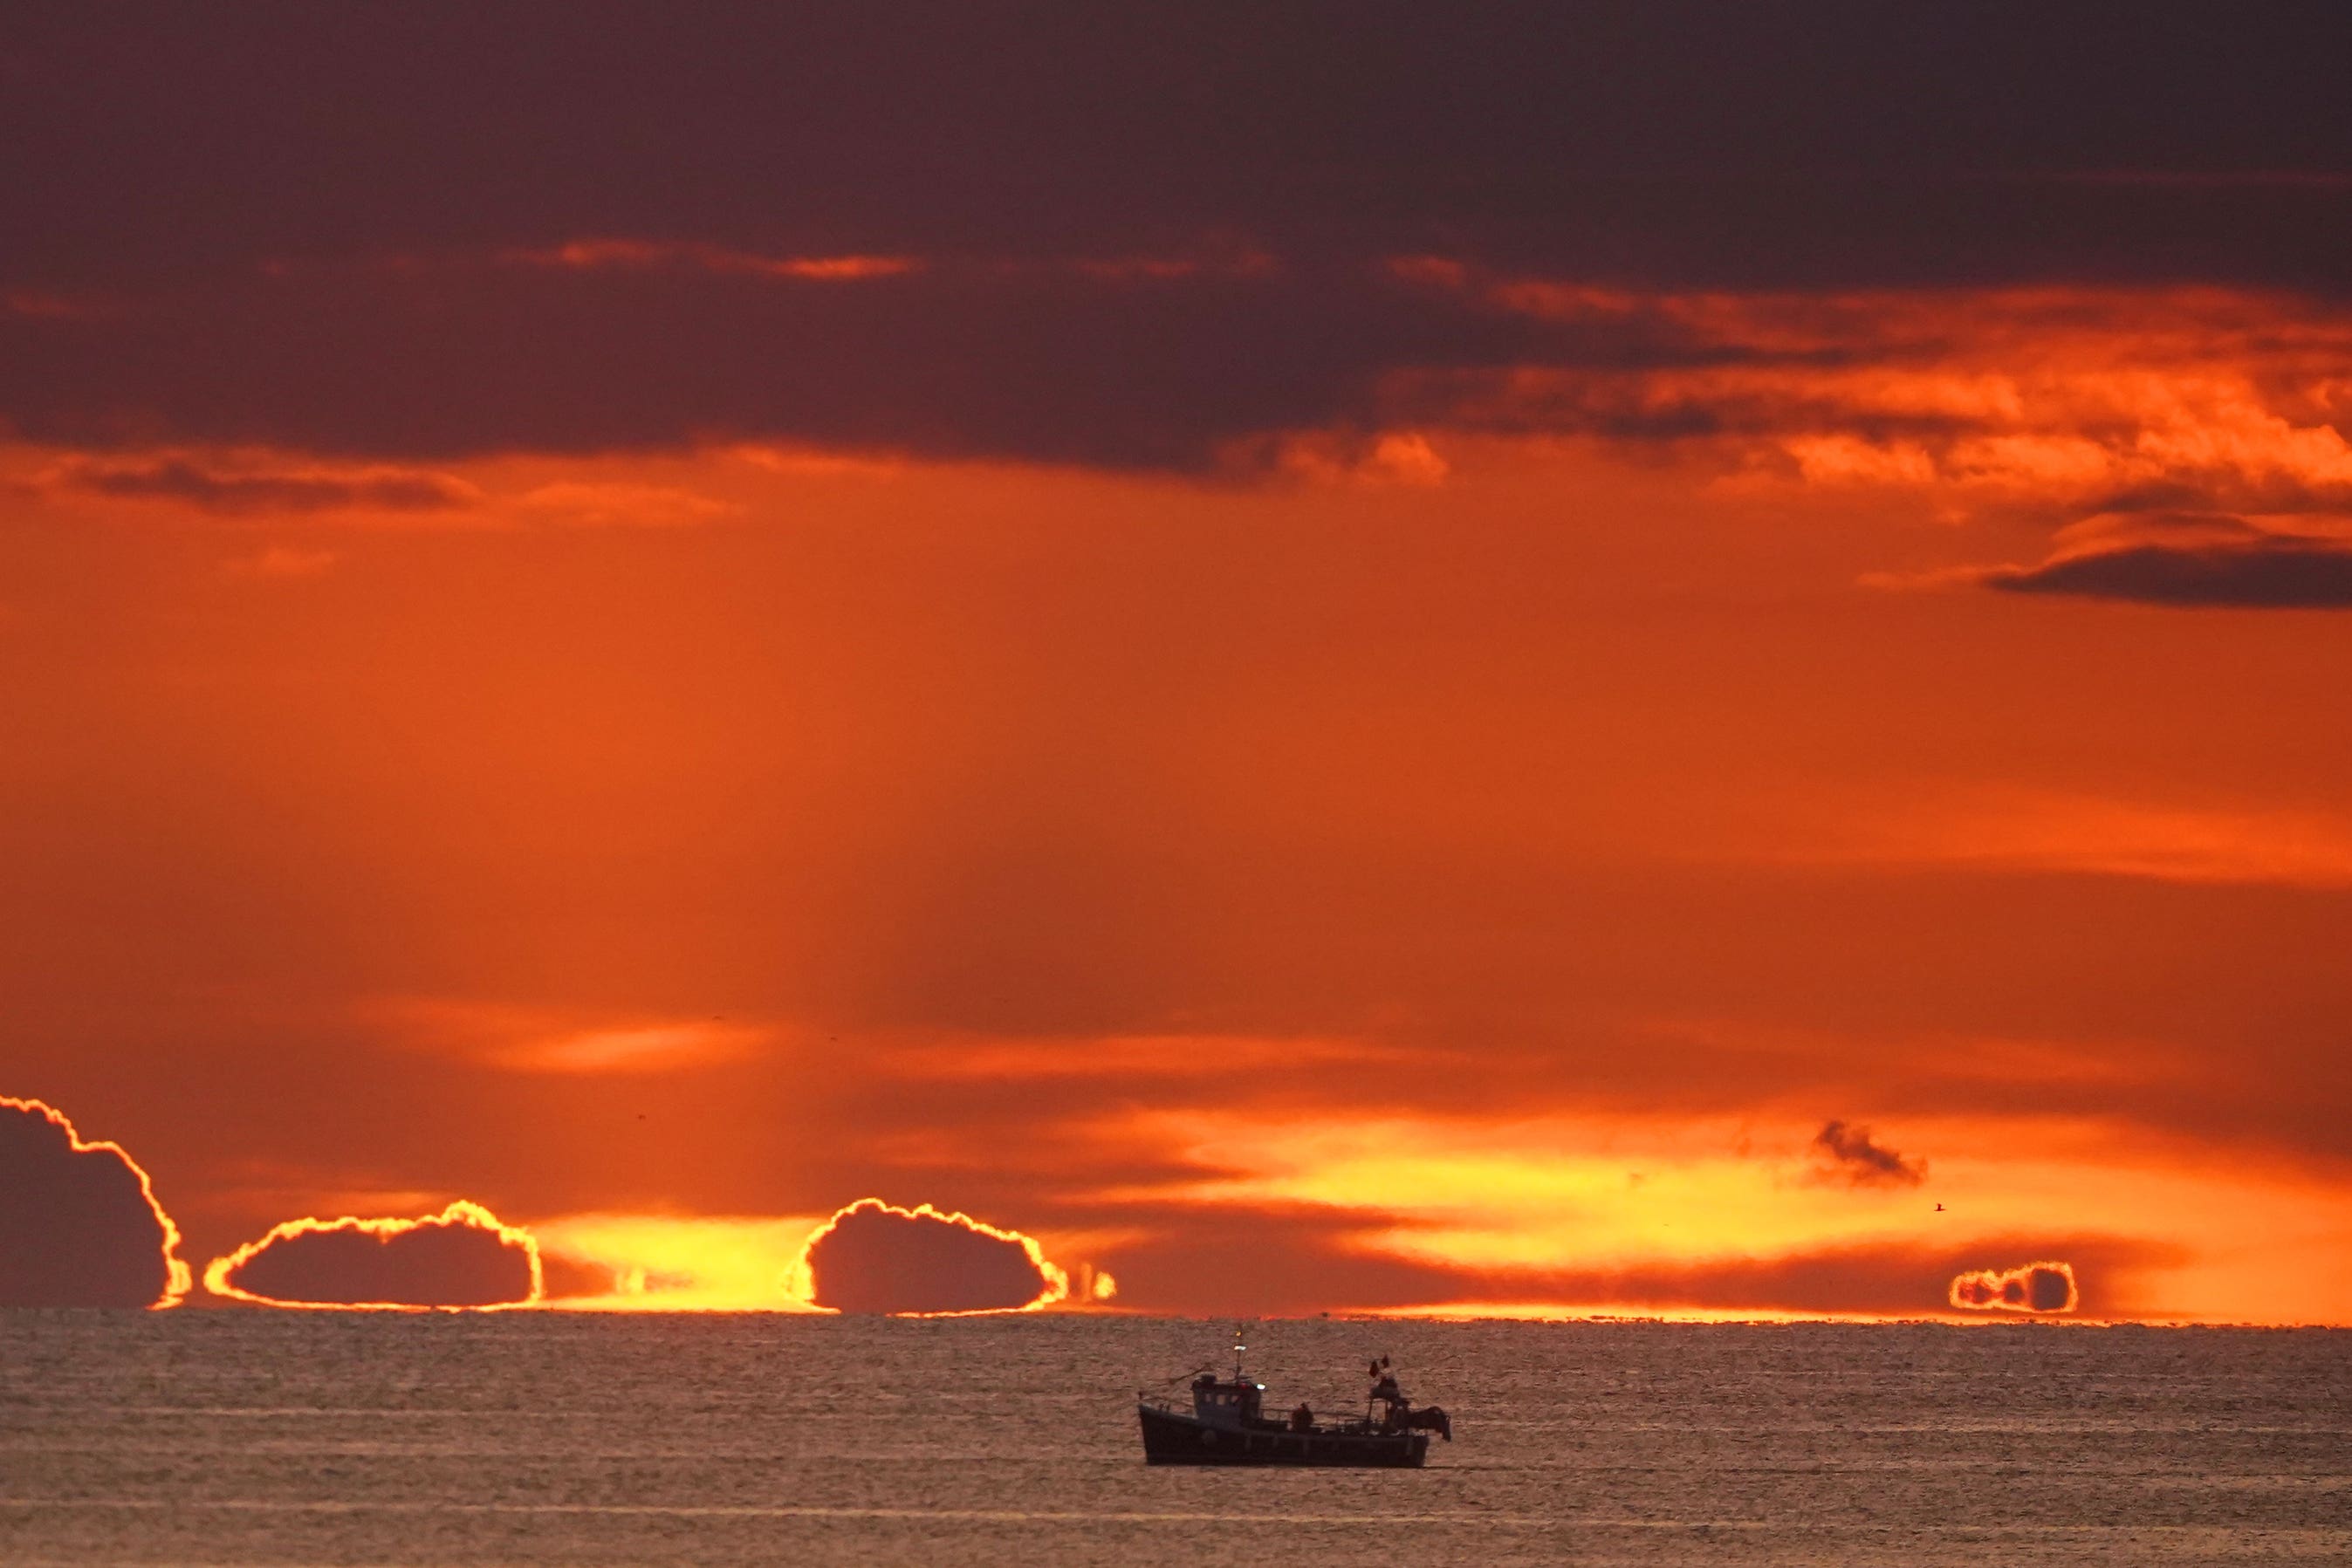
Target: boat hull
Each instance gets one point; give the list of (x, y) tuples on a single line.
[(1170, 1439)]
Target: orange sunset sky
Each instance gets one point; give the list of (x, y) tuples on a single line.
[(1363, 660)]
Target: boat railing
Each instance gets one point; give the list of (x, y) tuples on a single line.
[(1330, 1426), (1162, 1400)]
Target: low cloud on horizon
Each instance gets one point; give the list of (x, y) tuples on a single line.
[(2037, 1288), (80, 1224), (462, 1256), (876, 1257)]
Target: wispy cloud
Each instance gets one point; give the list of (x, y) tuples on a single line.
[(2270, 573), (2037, 831), (563, 1040), (242, 483), (647, 255), (613, 504)]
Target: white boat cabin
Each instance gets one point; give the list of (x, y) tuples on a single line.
[(1233, 1404)]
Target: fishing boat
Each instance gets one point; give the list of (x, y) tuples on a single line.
[(1227, 1425)]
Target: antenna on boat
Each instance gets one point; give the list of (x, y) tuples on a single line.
[(1238, 1348)]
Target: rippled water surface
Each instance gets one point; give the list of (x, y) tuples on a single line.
[(251, 1437)]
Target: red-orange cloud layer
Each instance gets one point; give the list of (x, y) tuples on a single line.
[(1383, 705), (79, 1223), (463, 1256), (2029, 1287), (876, 1257), (646, 254), (552, 1040)]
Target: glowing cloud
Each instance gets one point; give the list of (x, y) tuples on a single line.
[(79, 1226), (2042, 830), (641, 255), (562, 1042), (874, 1257), (2033, 1288), (462, 1256), (609, 503)]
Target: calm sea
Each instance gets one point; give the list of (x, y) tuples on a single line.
[(253, 1437)]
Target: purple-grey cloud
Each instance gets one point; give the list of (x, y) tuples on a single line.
[(605, 228), (874, 1257), (1853, 1156), (2266, 574), (79, 1226)]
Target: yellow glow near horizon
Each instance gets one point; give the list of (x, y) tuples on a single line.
[(683, 1263), (669, 1262), (2259, 1244)]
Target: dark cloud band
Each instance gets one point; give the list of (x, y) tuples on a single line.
[(1130, 240), (2278, 574), (1669, 140)]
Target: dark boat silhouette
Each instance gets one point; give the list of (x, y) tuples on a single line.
[(1227, 1425)]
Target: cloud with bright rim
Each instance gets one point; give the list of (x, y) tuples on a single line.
[(79, 1223), (462, 1256), (2037, 1288), (876, 1257)]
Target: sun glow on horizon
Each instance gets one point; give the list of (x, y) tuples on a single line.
[(1579, 1195), (670, 1263), (681, 1263)]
